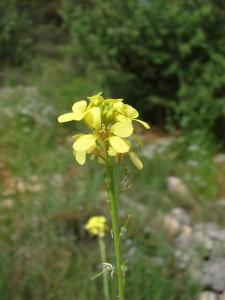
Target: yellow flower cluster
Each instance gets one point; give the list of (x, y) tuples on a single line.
[(96, 226), (111, 124)]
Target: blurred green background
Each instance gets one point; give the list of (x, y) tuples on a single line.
[(167, 58)]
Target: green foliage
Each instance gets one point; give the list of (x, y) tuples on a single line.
[(24, 27), (168, 57), (14, 25)]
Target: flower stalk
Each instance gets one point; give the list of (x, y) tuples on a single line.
[(105, 274), (109, 128), (116, 231)]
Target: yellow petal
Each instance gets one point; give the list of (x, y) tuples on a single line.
[(113, 101), (118, 144), (143, 123), (121, 118), (96, 99), (66, 118), (93, 118), (131, 112), (79, 108), (136, 160), (119, 106), (111, 152), (83, 143), (91, 149), (76, 136), (80, 157), (122, 129)]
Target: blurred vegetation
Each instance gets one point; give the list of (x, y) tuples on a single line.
[(165, 57)]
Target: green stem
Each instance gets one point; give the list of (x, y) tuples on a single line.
[(105, 274), (116, 231)]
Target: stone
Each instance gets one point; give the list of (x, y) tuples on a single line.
[(221, 202), (184, 239), (152, 149), (177, 187), (182, 259), (222, 296), (21, 186), (181, 216), (219, 158), (214, 274), (137, 206), (215, 232), (208, 295), (8, 203), (172, 226), (187, 231), (200, 237)]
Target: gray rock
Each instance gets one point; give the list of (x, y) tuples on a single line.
[(200, 237), (221, 202), (181, 216), (184, 239), (219, 158), (177, 187), (160, 146), (172, 226), (183, 259), (208, 295), (222, 296), (215, 232), (138, 207), (214, 274)]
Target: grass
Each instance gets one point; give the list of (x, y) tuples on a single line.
[(45, 199)]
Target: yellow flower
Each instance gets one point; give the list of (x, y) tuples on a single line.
[(96, 99), (79, 110), (110, 126), (118, 144), (93, 118), (96, 226), (129, 114), (122, 129), (84, 143)]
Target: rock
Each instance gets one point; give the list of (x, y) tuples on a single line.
[(193, 148), (138, 207), (221, 202), (150, 150), (172, 226), (21, 186), (200, 237), (177, 187), (214, 274), (222, 296), (208, 295), (219, 158), (181, 216), (215, 232), (192, 163), (177, 221), (184, 238), (187, 231), (183, 259), (211, 237), (8, 203)]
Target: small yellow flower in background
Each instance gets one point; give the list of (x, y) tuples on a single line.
[(111, 125), (96, 226)]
